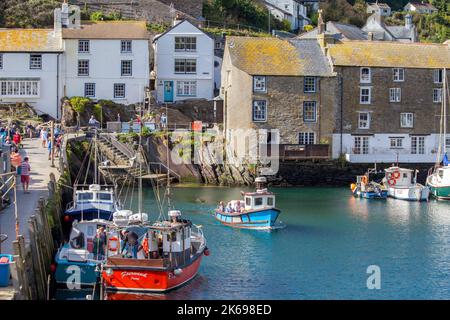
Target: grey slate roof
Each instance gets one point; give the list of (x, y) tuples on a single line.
[(341, 31), (401, 32), (316, 63)]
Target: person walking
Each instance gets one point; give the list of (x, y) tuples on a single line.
[(25, 169), (44, 137), (49, 147)]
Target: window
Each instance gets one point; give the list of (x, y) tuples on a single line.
[(438, 75), (83, 67), (86, 196), (185, 44), (258, 201), (35, 61), (186, 88), (417, 145), (395, 94), (89, 90), (398, 74), (104, 196), (119, 90), (406, 120), (365, 95), (364, 120), (1, 61), (126, 68), (259, 110), (361, 145), (248, 201), (259, 84), (19, 88), (310, 84), (125, 46), (396, 143), (185, 66), (365, 75), (270, 201), (447, 143), (83, 46), (437, 95), (305, 138), (309, 111)]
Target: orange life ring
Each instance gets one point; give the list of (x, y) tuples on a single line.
[(396, 174), (364, 179), (113, 244), (145, 245), (392, 182)]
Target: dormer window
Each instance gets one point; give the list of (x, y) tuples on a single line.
[(259, 84), (365, 75)]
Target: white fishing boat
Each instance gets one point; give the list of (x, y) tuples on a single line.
[(401, 183), (439, 176)]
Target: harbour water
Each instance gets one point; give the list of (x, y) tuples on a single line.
[(329, 241)]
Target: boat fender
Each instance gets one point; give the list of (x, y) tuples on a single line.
[(352, 187), (177, 272), (206, 252), (113, 244)]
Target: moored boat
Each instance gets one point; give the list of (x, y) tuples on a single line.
[(439, 182), (77, 261), (402, 184), (256, 211), (159, 257), (364, 188)]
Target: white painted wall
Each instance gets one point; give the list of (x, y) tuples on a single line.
[(105, 69), (165, 56), (17, 65), (381, 152)]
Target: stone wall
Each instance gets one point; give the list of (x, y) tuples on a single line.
[(193, 8), (416, 97)]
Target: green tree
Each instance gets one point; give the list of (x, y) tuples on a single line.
[(79, 105), (29, 13)]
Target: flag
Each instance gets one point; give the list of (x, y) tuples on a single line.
[(445, 160)]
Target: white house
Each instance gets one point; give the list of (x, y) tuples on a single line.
[(420, 7), (29, 68), (99, 60), (184, 63), (293, 11), (382, 9)]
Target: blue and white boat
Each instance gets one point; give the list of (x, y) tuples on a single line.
[(256, 211), (93, 202), (78, 260), (364, 188)]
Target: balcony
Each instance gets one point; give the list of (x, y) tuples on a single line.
[(293, 152)]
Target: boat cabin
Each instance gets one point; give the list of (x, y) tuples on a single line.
[(443, 173), (259, 200), (94, 194), (400, 177), (81, 246)]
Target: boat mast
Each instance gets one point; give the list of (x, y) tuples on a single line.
[(443, 123), (139, 154), (168, 161)]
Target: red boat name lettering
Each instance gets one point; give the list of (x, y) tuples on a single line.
[(126, 274)]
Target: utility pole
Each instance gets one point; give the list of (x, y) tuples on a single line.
[(268, 9)]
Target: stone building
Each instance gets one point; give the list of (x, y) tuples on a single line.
[(274, 84), (382, 9), (390, 100)]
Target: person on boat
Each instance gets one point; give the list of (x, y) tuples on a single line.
[(77, 242), (229, 208), (130, 245), (221, 207), (99, 244), (237, 206)]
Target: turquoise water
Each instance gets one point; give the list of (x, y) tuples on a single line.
[(323, 253)]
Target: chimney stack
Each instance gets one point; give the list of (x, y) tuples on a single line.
[(370, 36), (320, 23), (408, 21)]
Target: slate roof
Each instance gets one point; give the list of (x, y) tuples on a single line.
[(128, 30), (390, 54), (29, 40), (273, 56), (341, 31)]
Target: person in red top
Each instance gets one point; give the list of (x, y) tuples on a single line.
[(25, 169), (17, 139)]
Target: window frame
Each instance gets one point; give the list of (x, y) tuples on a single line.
[(361, 95), (80, 46), (361, 145), (399, 79), (306, 138), (417, 145), (439, 74), (185, 65), (183, 46), (402, 115), (122, 68), (396, 145), (312, 84), (181, 84), (86, 84), (263, 79), (309, 104), (361, 80), (367, 121), (1, 61), (434, 95), (32, 62), (255, 101), (115, 91), (19, 88), (127, 43), (395, 95), (80, 61)]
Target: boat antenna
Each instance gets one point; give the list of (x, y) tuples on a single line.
[(168, 160), (139, 154)]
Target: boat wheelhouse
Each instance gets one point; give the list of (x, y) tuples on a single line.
[(401, 183), (84, 252), (156, 257), (93, 202), (439, 183), (256, 211)]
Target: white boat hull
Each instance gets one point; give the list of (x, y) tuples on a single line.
[(412, 193)]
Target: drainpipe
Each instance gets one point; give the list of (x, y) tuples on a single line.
[(57, 86), (341, 92)]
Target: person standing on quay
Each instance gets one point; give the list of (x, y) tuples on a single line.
[(49, 147), (25, 169)]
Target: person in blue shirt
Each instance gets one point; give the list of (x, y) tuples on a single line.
[(49, 147)]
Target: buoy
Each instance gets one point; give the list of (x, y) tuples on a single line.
[(67, 219), (53, 267), (206, 252), (352, 186)]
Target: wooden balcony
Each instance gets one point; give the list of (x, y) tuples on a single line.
[(294, 152)]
